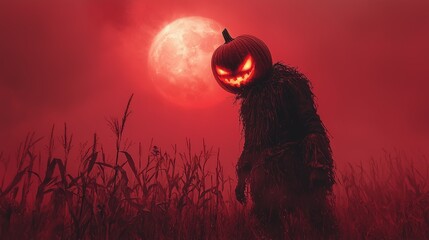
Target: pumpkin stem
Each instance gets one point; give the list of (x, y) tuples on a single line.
[(226, 36)]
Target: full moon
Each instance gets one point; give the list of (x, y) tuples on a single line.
[(179, 59)]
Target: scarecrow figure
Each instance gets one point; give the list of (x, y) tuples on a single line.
[(287, 159)]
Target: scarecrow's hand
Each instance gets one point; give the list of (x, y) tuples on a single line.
[(319, 178)]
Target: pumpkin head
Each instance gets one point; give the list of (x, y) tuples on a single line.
[(240, 61)]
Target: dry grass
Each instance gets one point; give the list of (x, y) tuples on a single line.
[(176, 196), (387, 199)]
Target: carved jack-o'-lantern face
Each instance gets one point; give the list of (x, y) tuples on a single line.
[(238, 76), (240, 61)]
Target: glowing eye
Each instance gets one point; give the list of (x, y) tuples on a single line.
[(221, 71), (247, 64)]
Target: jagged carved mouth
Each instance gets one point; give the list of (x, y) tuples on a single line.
[(239, 79)]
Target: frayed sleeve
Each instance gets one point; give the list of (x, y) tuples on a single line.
[(244, 164), (244, 167)]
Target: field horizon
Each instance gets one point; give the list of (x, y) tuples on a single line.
[(119, 193)]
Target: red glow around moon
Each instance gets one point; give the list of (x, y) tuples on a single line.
[(180, 57)]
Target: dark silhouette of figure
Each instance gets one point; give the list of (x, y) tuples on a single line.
[(287, 159)]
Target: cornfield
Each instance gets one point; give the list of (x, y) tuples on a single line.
[(175, 195)]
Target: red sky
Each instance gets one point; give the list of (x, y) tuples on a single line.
[(79, 61)]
